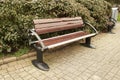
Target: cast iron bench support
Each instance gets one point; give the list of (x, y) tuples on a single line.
[(39, 63), (111, 25)]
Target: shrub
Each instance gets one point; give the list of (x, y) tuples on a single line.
[(100, 10), (114, 1), (16, 17), (13, 27)]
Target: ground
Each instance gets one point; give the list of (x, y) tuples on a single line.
[(73, 62)]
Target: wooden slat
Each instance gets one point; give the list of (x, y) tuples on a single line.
[(58, 39), (70, 41), (58, 28), (43, 26), (43, 21), (56, 24)]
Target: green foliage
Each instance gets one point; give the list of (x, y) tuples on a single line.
[(16, 17), (114, 1), (100, 10), (13, 26)]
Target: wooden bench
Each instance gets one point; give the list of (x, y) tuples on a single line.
[(59, 25), (111, 24)]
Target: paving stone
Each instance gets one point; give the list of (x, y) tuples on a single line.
[(42, 77), (54, 78), (31, 54), (11, 64), (32, 79), (27, 77), (5, 66), (115, 78), (109, 76), (15, 76), (22, 57), (11, 69), (9, 59), (67, 78), (1, 76), (18, 79), (27, 60), (1, 61), (3, 71), (21, 62), (18, 66), (78, 78), (115, 70), (96, 77), (23, 74)]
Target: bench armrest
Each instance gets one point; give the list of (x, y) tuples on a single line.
[(112, 19), (90, 25), (33, 33)]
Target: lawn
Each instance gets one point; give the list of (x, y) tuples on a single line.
[(119, 17)]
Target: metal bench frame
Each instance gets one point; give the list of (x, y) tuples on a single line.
[(39, 63), (110, 27)]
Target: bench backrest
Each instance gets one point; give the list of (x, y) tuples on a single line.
[(43, 26)]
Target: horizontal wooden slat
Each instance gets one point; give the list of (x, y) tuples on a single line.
[(70, 41), (43, 21), (58, 39), (56, 24), (58, 28)]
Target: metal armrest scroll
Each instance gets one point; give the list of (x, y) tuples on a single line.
[(112, 19), (92, 27), (33, 33)]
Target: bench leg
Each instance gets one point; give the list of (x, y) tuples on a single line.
[(110, 29), (88, 43), (39, 63)]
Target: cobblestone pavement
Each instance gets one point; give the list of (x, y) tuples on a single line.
[(73, 62)]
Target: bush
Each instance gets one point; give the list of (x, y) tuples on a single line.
[(16, 17), (13, 26), (114, 1), (100, 10)]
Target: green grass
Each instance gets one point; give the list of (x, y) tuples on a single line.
[(119, 17), (1, 55), (21, 51)]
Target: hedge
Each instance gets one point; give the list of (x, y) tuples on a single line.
[(100, 10), (16, 17)]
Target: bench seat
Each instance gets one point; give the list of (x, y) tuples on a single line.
[(62, 38), (61, 42)]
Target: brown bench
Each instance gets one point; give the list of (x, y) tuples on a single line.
[(111, 24), (57, 25)]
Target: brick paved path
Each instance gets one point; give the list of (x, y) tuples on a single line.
[(74, 62)]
